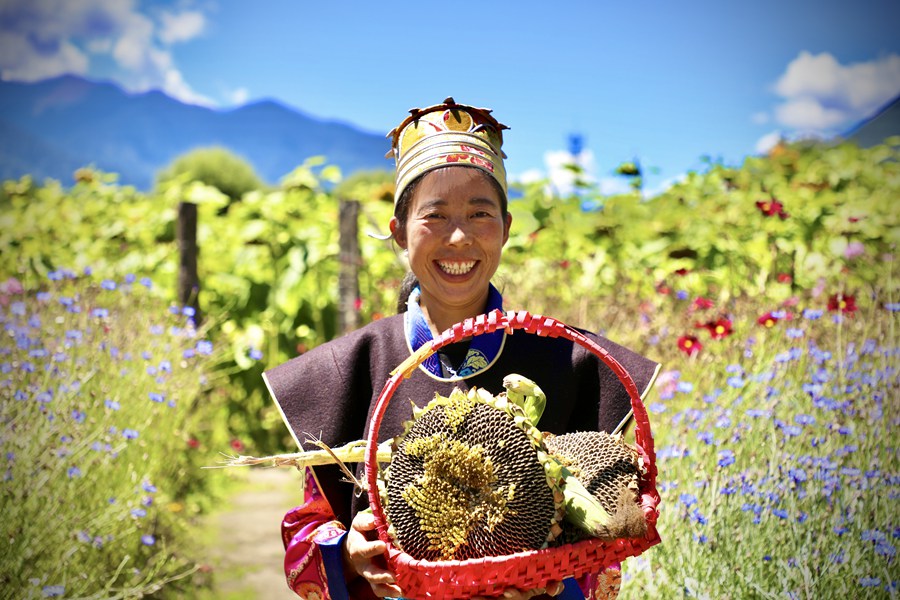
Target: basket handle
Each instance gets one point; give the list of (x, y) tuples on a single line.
[(488, 323)]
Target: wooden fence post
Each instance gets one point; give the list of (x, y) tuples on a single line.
[(188, 280), (350, 260)]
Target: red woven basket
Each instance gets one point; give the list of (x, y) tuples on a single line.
[(451, 579)]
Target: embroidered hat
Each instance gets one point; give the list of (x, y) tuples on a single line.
[(447, 133)]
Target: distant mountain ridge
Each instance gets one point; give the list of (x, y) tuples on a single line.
[(52, 127)]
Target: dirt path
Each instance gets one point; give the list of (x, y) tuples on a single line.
[(245, 551)]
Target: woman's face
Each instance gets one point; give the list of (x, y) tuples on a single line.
[(454, 233)]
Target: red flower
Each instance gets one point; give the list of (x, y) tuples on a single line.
[(842, 302), (689, 345), (193, 443), (237, 445), (784, 278), (702, 303), (681, 271), (772, 208), (564, 264), (662, 288), (768, 320), (718, 329)]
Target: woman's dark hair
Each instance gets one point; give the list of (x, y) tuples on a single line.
[(401, 211)]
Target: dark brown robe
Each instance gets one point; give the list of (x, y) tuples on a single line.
[(330, 391)]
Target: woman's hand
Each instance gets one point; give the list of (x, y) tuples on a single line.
[(552, 589), (362, 551)]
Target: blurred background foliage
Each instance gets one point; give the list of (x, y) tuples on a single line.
[(788, 221)]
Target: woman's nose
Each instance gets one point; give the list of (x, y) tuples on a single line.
[(459, 234)]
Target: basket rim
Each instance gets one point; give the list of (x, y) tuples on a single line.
[(542, 326)]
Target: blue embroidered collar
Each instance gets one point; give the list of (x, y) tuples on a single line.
[(483, 349)]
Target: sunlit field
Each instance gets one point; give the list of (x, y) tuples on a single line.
[(768, 291)]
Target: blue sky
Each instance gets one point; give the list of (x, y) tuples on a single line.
[(664, 82)]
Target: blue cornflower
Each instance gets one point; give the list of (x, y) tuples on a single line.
[(112, 404), (100, 313), (804, 419), (17, 308), (148, 540), (657, 408), (850, 472), (733, 368), (869, 581), (780, 513), (698, 517), (147, 501), (78, 416), (157, 329), (726, 458), (129, 434), (130, 277), (156, 397), (174, 309), (791, 430), (706, 437), (684, 387), (165, 366), (682, 295), (20, 395), (148, 487), (736, 382), (688, 499), (145, 281), (188, 353), (204, 347), (138, 513), (151, 370), (255, 354), (873, 535), (812, 314), (885, 549), (55, 275), (839, 529), (73, 472), (43, 297), (188, 311), (758, 412), (802, 517), (51, 591), (794, 332), (108, 284), (798, 475)]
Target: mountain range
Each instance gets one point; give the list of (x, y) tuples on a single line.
[(51, 128)]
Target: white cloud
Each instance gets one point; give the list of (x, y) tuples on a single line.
[(821, 94), (239, 96), (18, 62), (613, 186), (46, 38), (181, 27), (562, 178), (768, 141), (663, 186), (760, 118)]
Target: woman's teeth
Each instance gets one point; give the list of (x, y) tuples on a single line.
[(456, 268)]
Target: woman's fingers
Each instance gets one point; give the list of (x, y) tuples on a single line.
[(365, 554)]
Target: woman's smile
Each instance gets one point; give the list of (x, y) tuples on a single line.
[(456, 268)]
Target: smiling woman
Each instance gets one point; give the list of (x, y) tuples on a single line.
[(451, 218)]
